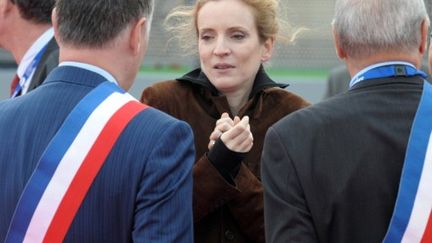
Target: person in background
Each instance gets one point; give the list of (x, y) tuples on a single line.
[(26, 32), (80, 159), (337, 81), (229, 102), (348, 169)]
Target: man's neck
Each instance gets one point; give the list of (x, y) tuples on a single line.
[(109, 61), (356, 65), (22, 38)]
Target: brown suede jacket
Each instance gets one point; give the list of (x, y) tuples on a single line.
[(224, 212)]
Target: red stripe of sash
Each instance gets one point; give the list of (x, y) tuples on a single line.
[(427, 236), (88, 171)]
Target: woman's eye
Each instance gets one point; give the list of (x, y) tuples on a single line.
[(238, 36), (206, 37)]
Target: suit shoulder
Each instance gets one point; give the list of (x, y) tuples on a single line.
[(285, 97), (325, 113)]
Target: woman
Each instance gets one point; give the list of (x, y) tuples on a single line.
[(230, 102)]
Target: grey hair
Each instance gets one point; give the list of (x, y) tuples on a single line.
[(96, 23), (365, 27)]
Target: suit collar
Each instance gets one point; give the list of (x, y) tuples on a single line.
[(34, 49), (92, 68), (74, 75), (48, 61), (51, 46), (418, 80)]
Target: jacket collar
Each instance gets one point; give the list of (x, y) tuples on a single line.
[(74, 75), (262, 81), (392, 80)]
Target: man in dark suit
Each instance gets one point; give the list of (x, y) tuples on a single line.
[(73, 171), (331, 171), (337, 81), (26, 32)]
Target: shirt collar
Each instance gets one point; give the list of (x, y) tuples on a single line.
[(92, 68), (357, 78), (35, 48)]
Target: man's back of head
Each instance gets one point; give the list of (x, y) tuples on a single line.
[(366, 27), (97, 23), (111, 34)]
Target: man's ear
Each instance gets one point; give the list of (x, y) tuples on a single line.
[(6, 7), (336, 41), (55, 24), (424, 30), (138, 35)]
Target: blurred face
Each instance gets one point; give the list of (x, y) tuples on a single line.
[(229, 47)]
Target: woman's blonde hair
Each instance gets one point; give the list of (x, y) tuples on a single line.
[(182, 20)]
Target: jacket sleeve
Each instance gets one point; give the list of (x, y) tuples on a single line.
[(163, 205), (287, 217)]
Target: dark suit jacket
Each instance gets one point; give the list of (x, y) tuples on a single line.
[(49, 60), (331, 171), (143, 193)]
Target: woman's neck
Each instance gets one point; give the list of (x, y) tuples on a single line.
[(239, 98)]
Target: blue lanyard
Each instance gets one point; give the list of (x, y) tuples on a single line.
[(393, 70), (29, 71)]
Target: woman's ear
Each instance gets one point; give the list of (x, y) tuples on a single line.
[(267, 50)]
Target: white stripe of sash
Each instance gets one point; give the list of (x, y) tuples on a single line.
[(70, 164), (423, 202)]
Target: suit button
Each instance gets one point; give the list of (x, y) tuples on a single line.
[(229, 235)]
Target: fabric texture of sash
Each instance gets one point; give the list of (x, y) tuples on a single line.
[(70, 163), (412, 220)]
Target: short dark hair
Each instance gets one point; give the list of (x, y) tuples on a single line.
[(38, 11), (94, 23)]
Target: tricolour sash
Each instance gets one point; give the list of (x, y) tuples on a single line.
[(412, 218), (70, 163)]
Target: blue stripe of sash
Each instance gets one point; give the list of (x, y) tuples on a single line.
[(52, 157), (413, 166)]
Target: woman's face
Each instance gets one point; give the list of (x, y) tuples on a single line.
[(229, 47)]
